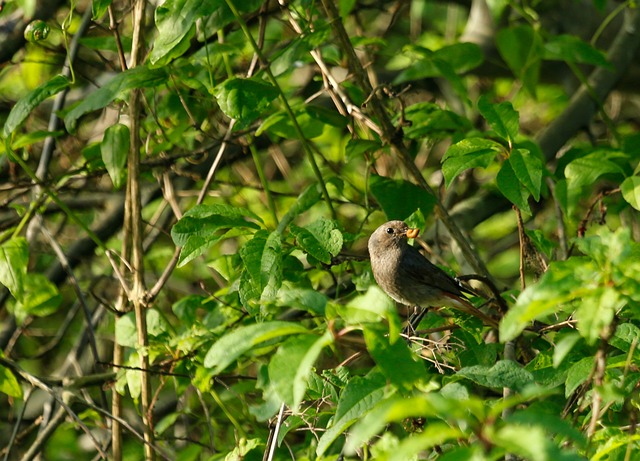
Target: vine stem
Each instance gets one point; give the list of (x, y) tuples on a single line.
[(133, 219), (283, 99)]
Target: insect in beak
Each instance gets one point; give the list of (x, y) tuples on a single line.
[(412, 233)]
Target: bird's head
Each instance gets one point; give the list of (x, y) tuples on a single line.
[(392, 234)]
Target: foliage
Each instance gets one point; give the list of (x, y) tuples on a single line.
[(183, 242)]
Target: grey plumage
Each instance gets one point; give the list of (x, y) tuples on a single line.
[(410, 278)]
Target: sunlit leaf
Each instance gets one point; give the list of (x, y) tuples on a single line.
[(242, 339), (630, 188), (245, 99), (469, 153), (14, 257)]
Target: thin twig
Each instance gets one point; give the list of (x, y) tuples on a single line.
[(274, 435)]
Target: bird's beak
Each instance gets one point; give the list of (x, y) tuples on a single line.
[(412, 232)]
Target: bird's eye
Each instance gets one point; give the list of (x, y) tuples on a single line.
[(389, 230)]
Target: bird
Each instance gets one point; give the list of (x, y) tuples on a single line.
[(410, 278)]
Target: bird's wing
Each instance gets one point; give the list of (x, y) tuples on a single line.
[(424, 271)]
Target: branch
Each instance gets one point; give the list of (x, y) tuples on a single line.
[(600, 83)]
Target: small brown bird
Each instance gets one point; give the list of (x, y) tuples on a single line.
[(410, 278)]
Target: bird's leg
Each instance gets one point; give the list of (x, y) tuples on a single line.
[(414, 320)]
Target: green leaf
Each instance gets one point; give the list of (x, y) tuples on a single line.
[(512, 188), (262, 258), (31, 100), (9, 384), (312, 120), (99, 8), (571, 48), (357, 147), (426, 405), (563, 282), (245, 99), (14, 257), (41, 297), (596, 311), (125, 330), (584, 171), (578, 374), (529, 169), (372, 306), (309, 197), (399, 198), (306, 299), (564, 345), (521, 48), (115, 149), (503, 119), (232, 345), (469, 153), (321, 239), (138, 77), (627, 335), (175, 20), (271, 267), (34, 137), (448, 61), (395, 360), (428, 120), (243, 448), (200, 227), (531, 443), (359, 396), (291, 366), (541, 242), (434, 434), (630, 188), (505, 373)]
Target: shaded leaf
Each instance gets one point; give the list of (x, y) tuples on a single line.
[(291, 365), (399, 198), (503, 119), (41, 297), (395, 360), (359, 396), (505, 373), (309, 197), (31, 100), (138, 77), (529, 169), (571, 48), (115, 149), (429, 120), (512, 188), (521, 48)]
